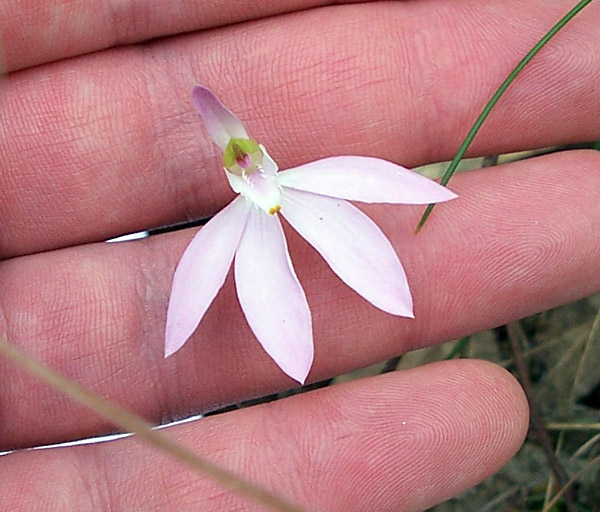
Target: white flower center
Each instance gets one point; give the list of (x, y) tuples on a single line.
[(259, 188), (243, 160)]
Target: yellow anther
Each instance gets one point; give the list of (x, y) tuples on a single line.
[(274, 209)]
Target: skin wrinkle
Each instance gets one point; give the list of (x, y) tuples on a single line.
[(125, 19), (190, 160), (167, 125), (152, 321), (75, 182), (49, 31), (94, 481)]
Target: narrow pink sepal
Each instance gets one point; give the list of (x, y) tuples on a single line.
[(365, 179), (220, 122), (271, 296), (201, 272), (353, 246)]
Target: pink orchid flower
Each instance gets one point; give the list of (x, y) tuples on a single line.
[(312, 198)]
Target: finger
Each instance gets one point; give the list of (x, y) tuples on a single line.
[(110, 143), (521, 238), (41, 31), (403, 441)]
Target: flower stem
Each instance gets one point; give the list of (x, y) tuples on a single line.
[(497, 95)]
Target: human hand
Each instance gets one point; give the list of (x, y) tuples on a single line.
[(109, 143)]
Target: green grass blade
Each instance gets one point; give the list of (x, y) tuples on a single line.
[(497, 95)]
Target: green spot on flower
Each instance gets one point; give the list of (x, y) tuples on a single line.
[(242, 156)]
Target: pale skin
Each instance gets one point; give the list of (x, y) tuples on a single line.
[(109, 143)]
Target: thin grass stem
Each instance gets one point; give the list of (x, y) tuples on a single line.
[(497, 95), (143, 429)]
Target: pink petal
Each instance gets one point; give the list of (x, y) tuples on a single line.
[(220, 122), (201, 272), (365, 179), (271, 296), (353, 246)]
